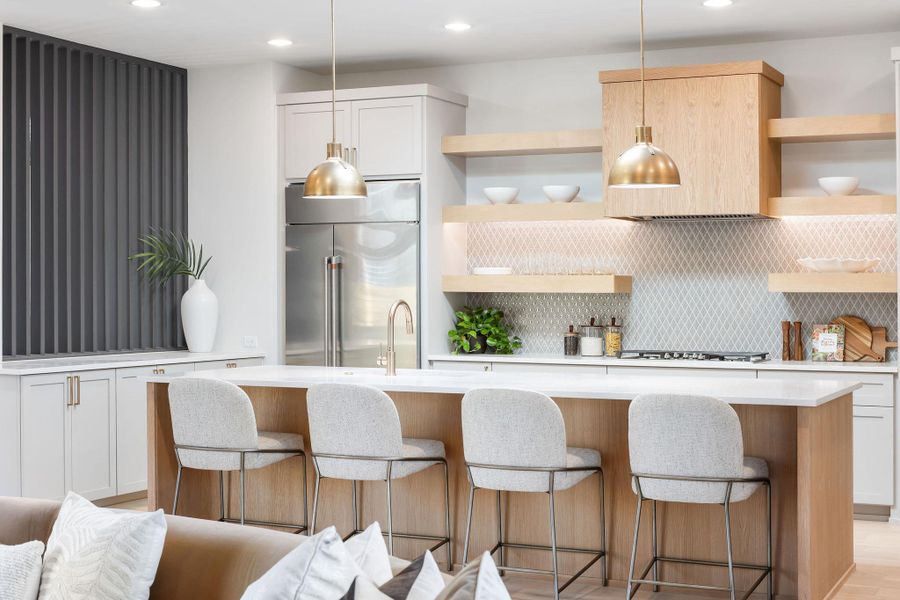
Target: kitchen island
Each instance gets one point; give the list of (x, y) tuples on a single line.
[(802, 429)]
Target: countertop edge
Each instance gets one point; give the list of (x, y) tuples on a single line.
[(113, 363), (774, 365)]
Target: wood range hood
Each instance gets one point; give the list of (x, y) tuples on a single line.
[(713, 121)]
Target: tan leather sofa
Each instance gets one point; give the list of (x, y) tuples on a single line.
[(201, 559)]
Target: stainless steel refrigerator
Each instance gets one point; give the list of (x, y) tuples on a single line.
[(346, 262)]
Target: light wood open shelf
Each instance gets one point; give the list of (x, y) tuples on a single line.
[(522, 144), (547, 284), (834, 129), (547, 211), (805, 206), (849, 283)]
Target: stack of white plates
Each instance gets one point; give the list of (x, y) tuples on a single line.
[(838, 264), (492, 271)]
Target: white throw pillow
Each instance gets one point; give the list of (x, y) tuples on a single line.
[(478, 580), (371, 554), (320, 567), (20, 571), (101, 554)]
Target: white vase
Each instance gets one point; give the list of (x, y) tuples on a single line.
[(199, 316)]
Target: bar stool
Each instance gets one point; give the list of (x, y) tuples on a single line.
[(690, 449), (354, 435), (214, 428), (515, 441)]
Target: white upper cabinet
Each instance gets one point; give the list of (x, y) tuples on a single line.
[(307, 131), (387, 135)]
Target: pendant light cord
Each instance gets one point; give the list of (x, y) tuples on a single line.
[(643, 93), (334, 81)]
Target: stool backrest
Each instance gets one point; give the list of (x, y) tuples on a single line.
[(515, 428), (211, 413), (685, 436), (353, 420)]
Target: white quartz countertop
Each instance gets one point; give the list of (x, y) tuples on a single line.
[(114, 361), (769, 365), (770, 392)]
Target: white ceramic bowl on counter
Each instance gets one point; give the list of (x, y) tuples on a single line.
[(839, 186), (838, 264), (561, 193), (501, 195)]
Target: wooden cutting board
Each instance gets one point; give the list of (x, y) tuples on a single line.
[(880, 343), (857, 339)]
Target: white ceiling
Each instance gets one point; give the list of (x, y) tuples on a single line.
[(380, 34)]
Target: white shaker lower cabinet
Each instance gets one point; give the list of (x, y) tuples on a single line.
[(228, 364), (68, 434), (131, 424), (873, 431)]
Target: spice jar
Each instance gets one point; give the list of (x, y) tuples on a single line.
[(570, 342), (592, 339), (613, 335)]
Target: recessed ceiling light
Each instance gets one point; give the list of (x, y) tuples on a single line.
[(457, 26), (280, 43), (717, 3), (146, 3)]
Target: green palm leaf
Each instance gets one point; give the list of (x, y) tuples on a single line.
[(168, 254)]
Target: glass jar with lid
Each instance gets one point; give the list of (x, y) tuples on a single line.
[(592, 342), (613, 337)]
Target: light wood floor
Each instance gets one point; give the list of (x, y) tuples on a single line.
[(877, 575)]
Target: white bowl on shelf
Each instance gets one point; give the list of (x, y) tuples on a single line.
[(492, 271), (561, 193), (501, 195), (838, 264), (839, 186)]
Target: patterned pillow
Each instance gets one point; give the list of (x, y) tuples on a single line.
[(421, 580), (478, 580), (20, 571), (101, 554)]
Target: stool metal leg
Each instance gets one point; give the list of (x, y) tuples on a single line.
[(390, 523), (221, 495), (305, 496), (655, 550), (728, 541), (634, 544), (465, 559), (604, 573), (315, 511), (355, 507), (769, 539), (553, 551), (242, 488), (447, 517), (177, 488), (500, 539)]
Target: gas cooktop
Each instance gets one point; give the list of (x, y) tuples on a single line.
[(696, 355)]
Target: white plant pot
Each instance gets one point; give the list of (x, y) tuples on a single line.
[(199, 316)]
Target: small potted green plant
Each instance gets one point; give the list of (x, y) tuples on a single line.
[(479, 328)]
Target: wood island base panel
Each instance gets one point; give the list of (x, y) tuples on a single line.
[(808, 449)]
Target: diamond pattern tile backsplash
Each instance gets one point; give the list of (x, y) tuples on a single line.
[(698, 285)]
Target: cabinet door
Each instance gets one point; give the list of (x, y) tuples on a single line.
[(92, 442), (131, 424), (873, 455), (228, 364), (44, 432), (307, 131), (388, 136), (460, 365)]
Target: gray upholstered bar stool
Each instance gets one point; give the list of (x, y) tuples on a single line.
[(690, 449), (354, 435), (515, 441), (214, 428)]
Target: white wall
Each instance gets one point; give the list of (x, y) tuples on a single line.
[(234, 204), (841, 75)]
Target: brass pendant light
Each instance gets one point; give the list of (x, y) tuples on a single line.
[(334, 178), (644, 166)]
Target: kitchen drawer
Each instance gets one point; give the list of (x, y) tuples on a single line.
[(873, 455), (228, 364), (877, 390), (460, 365), (507, 367), (680, 372)]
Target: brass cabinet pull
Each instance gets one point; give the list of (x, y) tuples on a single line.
[(161, 371), (231, 365), (156, 371), (71, 391), (78, 390)]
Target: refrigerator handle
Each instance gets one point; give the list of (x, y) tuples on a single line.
[(332, 310)]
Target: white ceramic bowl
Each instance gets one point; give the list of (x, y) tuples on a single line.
[(838, 264), (561, 193), (501, 195), (839, 186), (492, 271)]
